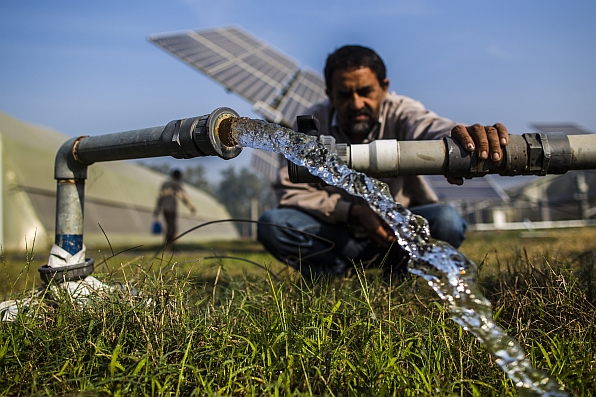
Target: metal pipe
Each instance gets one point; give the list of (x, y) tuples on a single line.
[(70, 202), (70, 176), (584, 152), (527, 154), (182, 139), (201, 136)]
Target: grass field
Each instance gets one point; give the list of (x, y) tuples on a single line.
[(207, 321)]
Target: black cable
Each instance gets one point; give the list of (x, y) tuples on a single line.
[(331, 243)]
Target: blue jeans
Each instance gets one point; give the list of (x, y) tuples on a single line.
[(315, 247)]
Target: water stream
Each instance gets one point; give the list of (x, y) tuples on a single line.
[(447, 271)]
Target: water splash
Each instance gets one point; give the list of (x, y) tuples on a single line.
[(447, 271)]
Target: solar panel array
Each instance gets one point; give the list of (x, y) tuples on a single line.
[(266, 77)]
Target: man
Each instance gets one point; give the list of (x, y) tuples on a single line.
[(167, 202), (360, 109)]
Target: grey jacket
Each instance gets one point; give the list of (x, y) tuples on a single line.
[(401, 118)]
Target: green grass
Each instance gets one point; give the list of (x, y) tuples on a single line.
[(227, 327)]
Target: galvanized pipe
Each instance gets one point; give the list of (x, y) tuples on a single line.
[(183, 139), (147, 142), (187, 138), (70, 176), (70, 202)]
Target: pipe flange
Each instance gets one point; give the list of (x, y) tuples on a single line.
[(478, 167), (186, 137), (213, 136), (535, 153), (66, 273)]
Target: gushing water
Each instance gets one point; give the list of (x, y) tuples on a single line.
[(447, 271)]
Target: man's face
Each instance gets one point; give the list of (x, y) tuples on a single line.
[(356, 94)]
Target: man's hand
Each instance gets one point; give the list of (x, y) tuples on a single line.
[(486, 140), (363, 215)]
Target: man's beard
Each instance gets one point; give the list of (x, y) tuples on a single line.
[(358, 127)]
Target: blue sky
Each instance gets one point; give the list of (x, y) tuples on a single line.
[(87, 68)]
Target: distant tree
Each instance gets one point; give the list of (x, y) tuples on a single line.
[(195, 176), (239, 190)]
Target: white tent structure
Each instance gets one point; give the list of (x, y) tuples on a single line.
[(119, 197)]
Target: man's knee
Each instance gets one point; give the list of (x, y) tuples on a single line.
[(268, 230), (450, 226), (286, 228), (264, 226)]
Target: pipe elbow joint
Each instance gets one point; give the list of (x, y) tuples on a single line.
[(66, 166)]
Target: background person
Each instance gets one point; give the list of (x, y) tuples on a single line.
[(359, 109), (167, 203)]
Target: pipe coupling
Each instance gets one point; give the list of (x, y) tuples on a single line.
[(527, 154), (202, 136)]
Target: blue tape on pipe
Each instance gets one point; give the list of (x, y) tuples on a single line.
[(71, 243)]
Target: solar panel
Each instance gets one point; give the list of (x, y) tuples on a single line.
[(306, 89), (234, 58), (266, 163)]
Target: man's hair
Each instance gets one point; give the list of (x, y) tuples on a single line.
[(354, 56)]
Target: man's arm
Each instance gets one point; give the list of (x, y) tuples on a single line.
[(158, 206), (184, 198)]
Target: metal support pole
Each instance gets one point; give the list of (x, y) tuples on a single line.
[(70, 197), (70, 200)]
